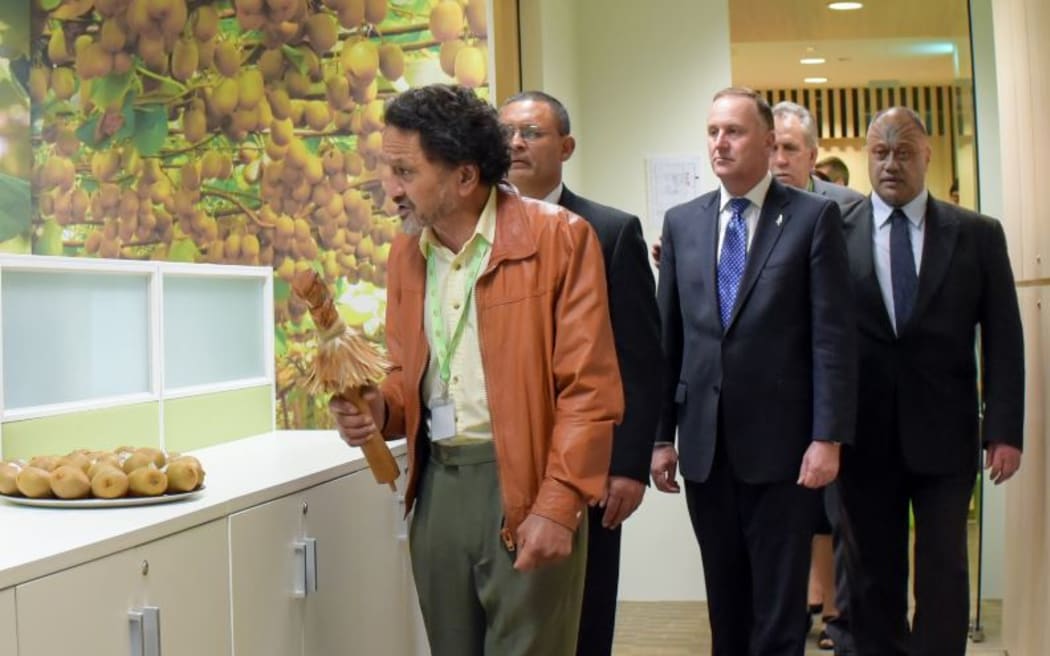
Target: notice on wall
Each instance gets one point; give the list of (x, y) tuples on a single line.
[(670, 180)]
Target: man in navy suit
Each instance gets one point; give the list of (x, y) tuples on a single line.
[(758, 330), (926, 274), (540, 142)]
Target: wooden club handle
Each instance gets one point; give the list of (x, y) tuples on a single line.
[(376, 451)]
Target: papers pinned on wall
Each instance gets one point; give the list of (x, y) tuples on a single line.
[(670, 180)]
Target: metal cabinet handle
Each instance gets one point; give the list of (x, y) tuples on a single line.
[(400, 521), (305, 568), (144, 628)]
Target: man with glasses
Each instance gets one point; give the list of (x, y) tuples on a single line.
[(540, 142), (926, 275)]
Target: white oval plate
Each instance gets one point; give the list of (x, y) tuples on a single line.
[(121, 502)]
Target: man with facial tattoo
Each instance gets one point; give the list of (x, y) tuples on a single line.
[(941, 377)]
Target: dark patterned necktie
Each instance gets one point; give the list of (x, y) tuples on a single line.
[(902, 268), (733, 259)]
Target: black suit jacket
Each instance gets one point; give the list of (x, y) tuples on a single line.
[(784, 372), (636, 329), (921, 386)]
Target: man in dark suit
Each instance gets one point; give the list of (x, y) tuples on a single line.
[(758, 330), (540, 143), (926, 274), (795, 154)]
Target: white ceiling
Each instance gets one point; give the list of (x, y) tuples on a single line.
[(905, 42)]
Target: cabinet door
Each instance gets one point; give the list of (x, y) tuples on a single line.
[(267, 618), (84, 610), (363, 574), (8, 637)]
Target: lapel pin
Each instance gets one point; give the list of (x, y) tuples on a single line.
[(780, 219)]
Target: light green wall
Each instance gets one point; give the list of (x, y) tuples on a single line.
[(199, 421), (637, 78), (189, 423), (648, 72), (107, 428)]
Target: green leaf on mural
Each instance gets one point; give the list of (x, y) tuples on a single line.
[(111, 89), (280, 345), (14, 30), (12, 93), (281, 290), (14, 206), (50, 240), (48, 5), (183, 250), (86, 131), (126, 130), (297, 58), (151, 129)]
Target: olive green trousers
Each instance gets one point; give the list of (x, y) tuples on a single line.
[(474, 602)]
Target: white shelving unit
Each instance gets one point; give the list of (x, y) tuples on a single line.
[(81, 334)]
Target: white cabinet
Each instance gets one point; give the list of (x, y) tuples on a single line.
[(8, 637), (85, 610), (362, 602)]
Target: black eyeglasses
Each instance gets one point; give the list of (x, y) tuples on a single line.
[(527, 132)]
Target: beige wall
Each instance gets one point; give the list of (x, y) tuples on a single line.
[(1022, 59), (636, 84)]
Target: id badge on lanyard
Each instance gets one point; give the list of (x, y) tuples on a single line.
[(442, 409)]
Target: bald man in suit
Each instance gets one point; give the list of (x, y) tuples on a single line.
[(926, 276)]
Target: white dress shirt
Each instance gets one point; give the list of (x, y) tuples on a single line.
[(757, 196), (881, 211)]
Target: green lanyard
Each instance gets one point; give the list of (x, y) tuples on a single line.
[(443, 347)]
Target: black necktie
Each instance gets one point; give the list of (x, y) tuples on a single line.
[(902, 268)]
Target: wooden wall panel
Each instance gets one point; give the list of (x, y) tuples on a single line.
[(1022, 58)]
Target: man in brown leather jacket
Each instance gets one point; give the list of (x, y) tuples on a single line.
[(504, 380)]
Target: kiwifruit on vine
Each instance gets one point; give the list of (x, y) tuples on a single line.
[(242, 132)]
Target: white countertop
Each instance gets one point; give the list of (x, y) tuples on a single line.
[(239, 475)]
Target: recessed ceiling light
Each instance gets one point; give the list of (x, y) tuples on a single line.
[(845, 6), (812, 60), (815, 80)]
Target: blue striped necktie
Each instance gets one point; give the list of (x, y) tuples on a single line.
[(733, 259)]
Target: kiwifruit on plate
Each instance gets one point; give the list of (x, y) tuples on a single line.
[(94, 502)]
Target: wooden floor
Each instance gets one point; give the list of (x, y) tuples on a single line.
[(680, 629), (665, 628)]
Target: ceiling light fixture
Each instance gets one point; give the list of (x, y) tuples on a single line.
[(845, 6), (812, 60), (815, 80)]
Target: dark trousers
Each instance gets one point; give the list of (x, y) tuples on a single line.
[(755, 541), (598, 617), (872, 545), (473, 601)]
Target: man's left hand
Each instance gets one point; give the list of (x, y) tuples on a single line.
[(820, 465), (622, 497), (541, 541), (1002, 461)]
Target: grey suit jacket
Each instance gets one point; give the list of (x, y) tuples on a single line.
[(842, 196)]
